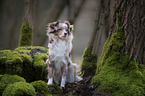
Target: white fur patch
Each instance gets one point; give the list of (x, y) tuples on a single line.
[(63, 82), (50, 81), (59, 49)]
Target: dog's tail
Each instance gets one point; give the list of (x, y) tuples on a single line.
[(72, 74)]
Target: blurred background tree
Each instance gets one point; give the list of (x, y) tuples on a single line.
[(82, 13)]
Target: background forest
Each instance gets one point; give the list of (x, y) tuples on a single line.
[(80, 12), (108, 45)]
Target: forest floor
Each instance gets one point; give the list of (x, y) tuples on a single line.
[(82, 88)]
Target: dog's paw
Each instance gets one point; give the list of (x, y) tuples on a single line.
[(47, 61), (63, 82), (50, 81)]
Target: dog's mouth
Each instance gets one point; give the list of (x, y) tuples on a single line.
[(63, 36)]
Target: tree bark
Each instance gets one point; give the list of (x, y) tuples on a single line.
[(102, 24), (29, 12), (27, 25), (130, 17), (93, 51), (121, 64)]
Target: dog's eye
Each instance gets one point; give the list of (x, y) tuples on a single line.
[(60, 29), (67, 30)]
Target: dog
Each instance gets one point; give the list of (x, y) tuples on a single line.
[(60, 66)]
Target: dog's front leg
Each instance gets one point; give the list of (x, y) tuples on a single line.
[(50, 72), (64, 71)]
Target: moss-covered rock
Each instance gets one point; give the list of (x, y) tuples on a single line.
[(14, 64), (1, 77), (5, 53), (30, 49), (41, 87), (19, 89), (26, 35), (28, 62), (40, 67), (9, 79), (116, 73), (89, 63)]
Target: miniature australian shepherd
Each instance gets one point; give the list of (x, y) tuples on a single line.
[(60, 66)]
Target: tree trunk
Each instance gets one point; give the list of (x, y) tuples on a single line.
[(99, 36), (29, 12), (103, 21), (130, 16), (26, 29), (122, 64)]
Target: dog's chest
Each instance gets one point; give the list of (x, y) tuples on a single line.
[(59, 49)]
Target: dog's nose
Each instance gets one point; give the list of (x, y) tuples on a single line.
[(65, 34)]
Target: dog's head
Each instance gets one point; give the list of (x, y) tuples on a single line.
[(60, 30)]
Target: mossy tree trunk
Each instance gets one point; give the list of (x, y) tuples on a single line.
[(129, 15), (103, 20), (121, 69), (26, 29)]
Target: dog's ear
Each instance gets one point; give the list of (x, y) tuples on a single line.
[(57, 22), (71, 28), (52, 27), (54, 24), (68, 24)]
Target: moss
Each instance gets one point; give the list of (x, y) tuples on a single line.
[(40, 67), (2, 64), (41, 87), (13, 64), (27, 50), (1, 77), (4, 53), (27, 72), (21, 62), (9, 79), (3, 58), (89, 63), (26, 35), (19, 89), (113, 74), (55, 89)]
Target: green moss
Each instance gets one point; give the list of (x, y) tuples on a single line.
[(89, 63), (113, 76), (27, 67), (9, 79), (1, 77), (27, 50), (4, 53), (41, 87), (14, 63), (2, 64), (56, 89), (40, 66), (26, 35), (21, 62), (19, 89)]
